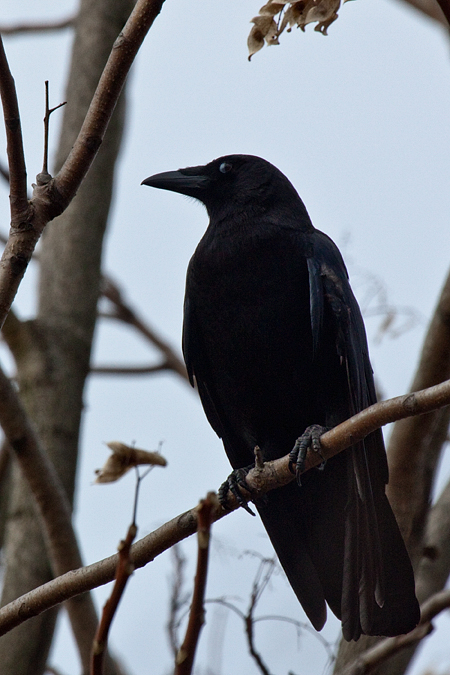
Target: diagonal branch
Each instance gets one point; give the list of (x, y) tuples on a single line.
[(273, 474), (184, 661), (416, 443), (16, 157), (109, 87), (124, 312), (445, 6), (430, 8), (123, 572), (51, 197)]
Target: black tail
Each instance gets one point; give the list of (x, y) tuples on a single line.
[(333, 547)]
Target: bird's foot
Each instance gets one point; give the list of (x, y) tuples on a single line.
[(309, 439), (235, 482)]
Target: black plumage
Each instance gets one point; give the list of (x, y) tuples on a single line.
[(275, 340)]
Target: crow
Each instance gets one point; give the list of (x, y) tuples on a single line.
[(275, 341)]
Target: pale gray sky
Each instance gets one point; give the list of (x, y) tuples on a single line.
[(358, 121)]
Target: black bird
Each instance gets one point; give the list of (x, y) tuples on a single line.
[(274, 338)]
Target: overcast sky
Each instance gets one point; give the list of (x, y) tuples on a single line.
[(358, 121)]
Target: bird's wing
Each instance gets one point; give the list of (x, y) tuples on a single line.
[(330, 292), (195, 355)]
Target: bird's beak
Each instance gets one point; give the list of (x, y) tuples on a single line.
[(190, 184)]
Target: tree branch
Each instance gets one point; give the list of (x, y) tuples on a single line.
[(430, 8), (123, 572), (109, 87), (416, 443), (16, 157), (124, 312), (274, 474), (20, 28), (51, 197), (445, 6), (130, 370), (185, 657)]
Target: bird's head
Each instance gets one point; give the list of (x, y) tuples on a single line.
[(231, 183)]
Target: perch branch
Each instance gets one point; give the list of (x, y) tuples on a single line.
[(274, 474)]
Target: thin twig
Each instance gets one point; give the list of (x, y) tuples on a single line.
[(124, 312), (186, 654), (44, 176), (130, 370), (19, 28), (259, 585), (178, 599), (274, 474)]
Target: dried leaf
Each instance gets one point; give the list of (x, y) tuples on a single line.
[(272, 8), (324, 11), (266, 29), (123, 458), (299, 13)]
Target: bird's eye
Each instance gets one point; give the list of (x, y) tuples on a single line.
[(225, 167)]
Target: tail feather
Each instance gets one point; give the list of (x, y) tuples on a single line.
[(333, 546)]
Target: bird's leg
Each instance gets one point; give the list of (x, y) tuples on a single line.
[(234, 484), (309, 439)]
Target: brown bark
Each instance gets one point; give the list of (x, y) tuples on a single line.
[(53, 367)]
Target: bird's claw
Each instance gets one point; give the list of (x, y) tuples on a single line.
[(309, 439), (235, 482)]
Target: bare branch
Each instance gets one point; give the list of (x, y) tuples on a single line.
[(19, 28), (130, 370), (249, 620), (124, 312), (124, 570), (415, 444), (434, 568), (430, 8), (445, 6), (186, 654), (53, 197), (16, 158), (178, 600), (44, 175), (273, 475), (110, 85)]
